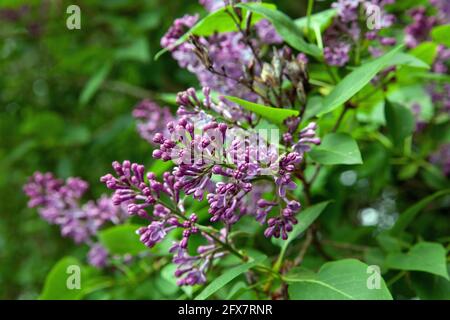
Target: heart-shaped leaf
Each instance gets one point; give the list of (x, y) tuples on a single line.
[(347, 279), (425, 256)]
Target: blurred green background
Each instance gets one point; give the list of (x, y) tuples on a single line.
[(66, 98)]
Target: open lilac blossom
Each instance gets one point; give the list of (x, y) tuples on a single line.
[(341, 37), (267, 33), (442, 59), (98, 256), (419, 30), (227, 54), (337, 54), (347, 9), (443, 10), (59, 202), (151, 118)]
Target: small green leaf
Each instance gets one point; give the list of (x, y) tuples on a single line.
[(94, 83), (337, 148), (122, 239), (425, 256), (347, 279), (441, 34), (355, 81), (426, 51), (159, 167), (275, 115), (58, 282), (285, 27), (409, 214), (321, 20), (226, 277), (400, 122)]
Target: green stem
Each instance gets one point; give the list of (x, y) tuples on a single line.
[(308, 15)]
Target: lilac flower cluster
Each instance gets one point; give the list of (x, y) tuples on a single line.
[(442, 10), (220, 160), (419, 30), (441, 158), (58, 203), (227, 54), (345, 32), (151, 118), (415, 33)]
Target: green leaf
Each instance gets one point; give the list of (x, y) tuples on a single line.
[(425, 256), (159, 167), (389, 243), (400, 122), (138, 51), (218, 21), (441, 34), (424, 54), (355, 81), (337, 148), (426, 51), (122, 239), (275, 115), (430, 287), (346, 279), (226, 277), (321, 20), (94, 83), (409, 214), (56, 284), (237, 290), (285, 27), (305, 219), (313, 107), (409, 60)]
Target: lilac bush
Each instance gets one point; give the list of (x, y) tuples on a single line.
[(59, 203), (277, 111)]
